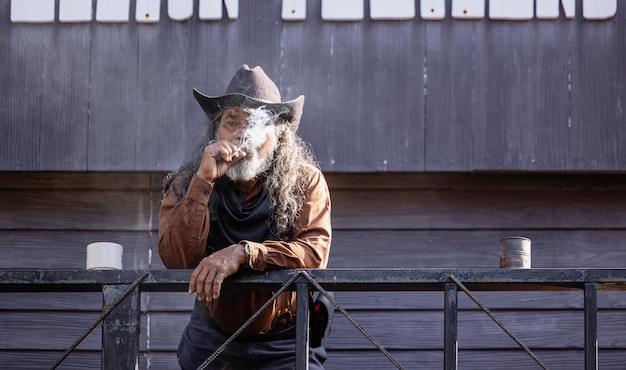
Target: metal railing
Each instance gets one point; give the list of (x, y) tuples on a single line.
[(121, 291)]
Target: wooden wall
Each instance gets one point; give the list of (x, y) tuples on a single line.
[(438, 138), (415, 95), (379, 220)]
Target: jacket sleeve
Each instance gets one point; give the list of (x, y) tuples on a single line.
[(310, 245), (184, 225)]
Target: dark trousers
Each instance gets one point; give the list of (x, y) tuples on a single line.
[(200, 340)]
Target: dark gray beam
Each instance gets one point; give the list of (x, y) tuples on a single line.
[(330, 279)]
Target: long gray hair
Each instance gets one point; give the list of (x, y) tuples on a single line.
[(286, 180)]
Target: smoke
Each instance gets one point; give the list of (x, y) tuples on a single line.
[(260, 123)]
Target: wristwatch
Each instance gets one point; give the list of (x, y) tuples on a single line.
[(246, 249)]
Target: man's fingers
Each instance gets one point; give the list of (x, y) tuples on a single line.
[(197, 282), (207, 287), (192, 281), (217, 285), (207, 279)]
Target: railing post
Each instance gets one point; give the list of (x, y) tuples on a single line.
[(120, 329), (302, 324), (450, 340), (591, 326)]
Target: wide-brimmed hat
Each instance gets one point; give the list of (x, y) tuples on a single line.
[(252, 88)]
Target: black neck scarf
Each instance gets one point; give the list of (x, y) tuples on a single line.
[(232, 221)]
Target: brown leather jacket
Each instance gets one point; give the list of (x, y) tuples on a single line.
[(184, 229)]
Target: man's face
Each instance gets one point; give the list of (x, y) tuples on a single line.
[(257, 139)]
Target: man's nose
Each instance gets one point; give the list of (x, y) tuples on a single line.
[(241, 130)]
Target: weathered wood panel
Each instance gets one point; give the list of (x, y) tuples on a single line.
[(423, 329), (392, 301), (516, 360), (377, 248), (78, 360), (475, 248), (405, 209), (415, 95), (522, 119), (397, 209), (423, 332), (80, 210), (452, 79), (66, 250), (596, 132), (380, 220), (72, 181), (419, 360), (478, 360), (164, 59), (113, 129), (389, 209), (44, 109)]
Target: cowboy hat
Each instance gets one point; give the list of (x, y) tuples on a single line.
[(252, 88)]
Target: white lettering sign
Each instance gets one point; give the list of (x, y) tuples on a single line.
[(148, 11)]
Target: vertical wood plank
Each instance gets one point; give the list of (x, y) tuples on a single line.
[(451, 111), (113, 128), (364, 93), (166, 106), (393, 122), (522, 87), (597, 131), (44, 113)]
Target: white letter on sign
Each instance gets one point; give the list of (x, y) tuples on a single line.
[(211, 10), (343, 10), (468, 9), (36, 11), (112, 10), (433, 9), (75, 11), (517, 10), (392, 9), (294, 10), (599, 9), (180, 10), (549, 9), (148, 11)]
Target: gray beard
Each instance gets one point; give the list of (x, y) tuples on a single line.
[(252, 165), (249, 167)]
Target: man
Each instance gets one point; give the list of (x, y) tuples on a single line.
[(250, 197)]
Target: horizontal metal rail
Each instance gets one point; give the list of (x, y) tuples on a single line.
[(123, 321)]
